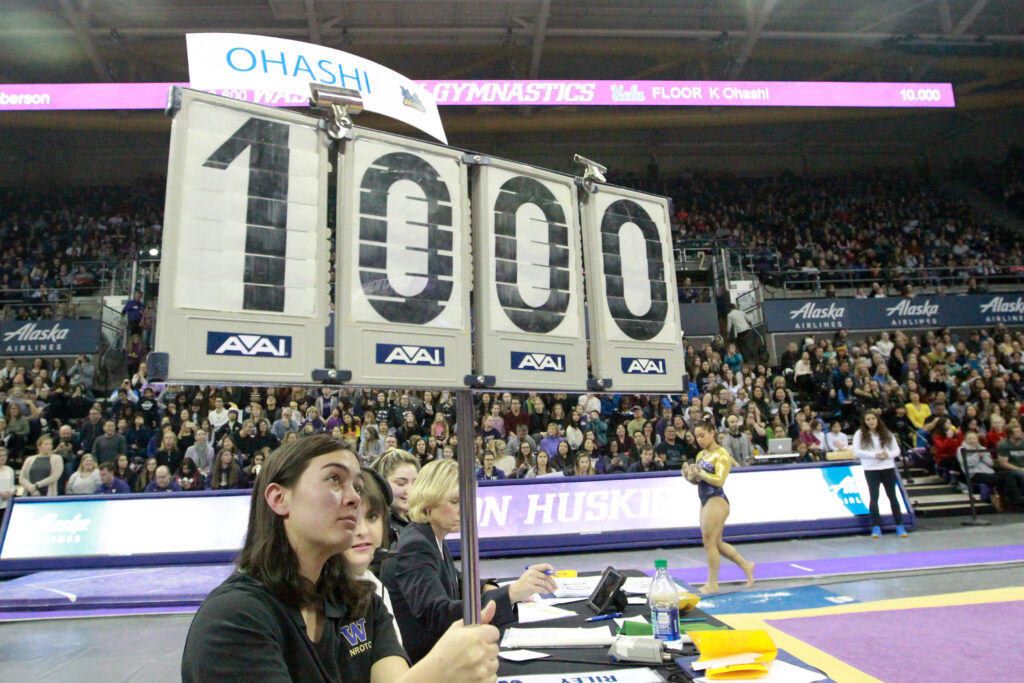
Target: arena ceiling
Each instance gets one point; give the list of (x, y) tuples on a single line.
[(978, 45)]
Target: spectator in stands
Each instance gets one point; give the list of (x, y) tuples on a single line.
[(646, 462), (219, 415), (132, 312), (83, 372), (584, 466), (40, 473), (122, 470), (370, 445), (86, 479), (145, 476), (168, 453), (110, 444), (736, 442), (162, 482), (1010, 453), (189, 478), (110, 483), (487, 471), (976, 459), (16, 420), (225, 473), (399, 470), (201, 452), (284, 425)]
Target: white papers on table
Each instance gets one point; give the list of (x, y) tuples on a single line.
[(729, 660), (639, 585), (780, 672), (576, 587), (522, 655), (638, 675), (530, 612), (639, 619), (637, 600), (557, 637)]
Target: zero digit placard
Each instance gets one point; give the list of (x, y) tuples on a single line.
[(635, 334), (403, 270), (244, 260), (529, 305)]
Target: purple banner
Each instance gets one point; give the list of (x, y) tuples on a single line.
[(78, 96)]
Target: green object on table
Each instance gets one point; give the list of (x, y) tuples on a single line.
[(635, 628)]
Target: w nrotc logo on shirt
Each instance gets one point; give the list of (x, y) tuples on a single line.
[(355, 635)]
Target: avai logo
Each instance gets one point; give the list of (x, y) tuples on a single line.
[(405, 354), (252, 345), (545, 362), (842, 484), (643, 366)]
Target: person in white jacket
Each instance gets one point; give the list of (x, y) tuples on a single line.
[(876, 447)]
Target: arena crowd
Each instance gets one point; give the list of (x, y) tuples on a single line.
[(946, 396)]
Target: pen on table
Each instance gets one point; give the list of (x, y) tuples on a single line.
[(689, 619), (547, 571), (605, 617)]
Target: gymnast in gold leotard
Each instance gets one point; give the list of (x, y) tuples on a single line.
[(709, 474)]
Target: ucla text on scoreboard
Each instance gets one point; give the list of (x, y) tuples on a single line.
[(447, 264)]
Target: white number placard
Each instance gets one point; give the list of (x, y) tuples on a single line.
[(529, 301), (245, 253), (635, 335), (404, 270)]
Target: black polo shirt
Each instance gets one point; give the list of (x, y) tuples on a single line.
[(243, 633)]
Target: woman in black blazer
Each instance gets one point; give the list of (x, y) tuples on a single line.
[(421, 578)]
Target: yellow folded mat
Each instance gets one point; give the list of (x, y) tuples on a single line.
[(718, 644)]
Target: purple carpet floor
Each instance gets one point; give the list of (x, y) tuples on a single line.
[(926, 644), (865, 564)]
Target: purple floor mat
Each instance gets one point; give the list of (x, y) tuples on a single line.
[(864, 564), (978, 640)]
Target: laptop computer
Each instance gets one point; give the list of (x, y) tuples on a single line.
[(780, 446)]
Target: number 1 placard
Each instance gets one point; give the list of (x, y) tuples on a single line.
[(244, 268)]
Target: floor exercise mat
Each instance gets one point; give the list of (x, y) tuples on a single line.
[(782, 600), (973, 642)]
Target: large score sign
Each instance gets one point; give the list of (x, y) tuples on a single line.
[(420, 228)]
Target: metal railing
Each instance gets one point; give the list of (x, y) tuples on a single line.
[(892, 280)]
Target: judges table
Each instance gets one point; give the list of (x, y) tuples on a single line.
[(569, 660)]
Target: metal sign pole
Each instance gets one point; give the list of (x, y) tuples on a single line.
[(467, 503)]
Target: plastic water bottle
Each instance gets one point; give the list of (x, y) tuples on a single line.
[(663, 599)]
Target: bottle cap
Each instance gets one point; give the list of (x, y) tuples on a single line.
[(661, 564)]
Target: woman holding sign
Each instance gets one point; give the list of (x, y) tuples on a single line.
[(709, 474), (293, 610)]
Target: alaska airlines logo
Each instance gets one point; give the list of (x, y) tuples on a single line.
[(33, 332), (251, 345), (395, 354), (842, 485), (411, 99), (811, 311), (545, 362), (643, 366), (1000, 305), (906, 308)]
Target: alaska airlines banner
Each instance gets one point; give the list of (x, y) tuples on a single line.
[(48, 337), (976, 310)]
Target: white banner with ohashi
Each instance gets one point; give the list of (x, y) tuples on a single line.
[(219, 61)]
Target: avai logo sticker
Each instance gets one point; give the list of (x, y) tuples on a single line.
[(251, 345), (643, 366), (408, 354), (544, 362)]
